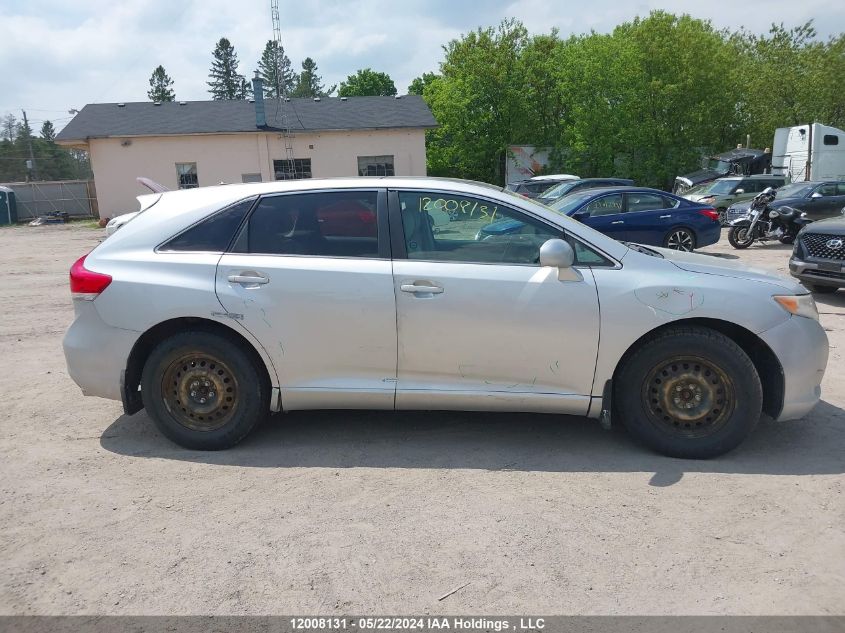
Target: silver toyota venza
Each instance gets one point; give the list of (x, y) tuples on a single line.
[(216, 306)]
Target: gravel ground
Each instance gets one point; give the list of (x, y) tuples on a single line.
[(361, 512)]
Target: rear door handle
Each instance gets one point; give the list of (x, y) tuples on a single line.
[(662, 217), (433, 290), (618, 222), (248, 279)]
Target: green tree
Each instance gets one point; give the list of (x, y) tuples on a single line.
[(161, 86), (309, 83), (366, 82), (418, 84), (275, 68), (225, 82), (10, 127), (790, 78), (48, 132), (478, 103)]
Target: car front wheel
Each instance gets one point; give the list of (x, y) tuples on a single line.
[(203, 391), (689, 393)]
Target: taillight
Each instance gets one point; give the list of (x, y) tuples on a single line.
[(710, 213), (86, 284)]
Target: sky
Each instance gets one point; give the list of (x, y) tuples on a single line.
[(56, 55)]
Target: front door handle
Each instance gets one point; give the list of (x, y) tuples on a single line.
[(618, 222), (248, 279), (663, 217), (432, 290)]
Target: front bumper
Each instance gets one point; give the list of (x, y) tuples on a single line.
[(96, 353), (802, 348), (812, 272)]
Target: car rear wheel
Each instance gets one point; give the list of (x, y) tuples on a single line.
[(689, 393), (680, 240), (203, 391)]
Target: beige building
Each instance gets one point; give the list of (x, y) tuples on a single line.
[(198, 143)]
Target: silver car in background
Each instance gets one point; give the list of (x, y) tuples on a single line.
[(218, 305)]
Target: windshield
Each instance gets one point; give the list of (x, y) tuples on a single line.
[(718, 187), (719, 165), (795, 190), (558, 190), (566, 204)]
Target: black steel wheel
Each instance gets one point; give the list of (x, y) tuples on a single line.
[(688, 396), (680, 239), (688, 392), (200, 391), (203, 391)]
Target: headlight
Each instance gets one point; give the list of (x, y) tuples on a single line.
[(799, 305)]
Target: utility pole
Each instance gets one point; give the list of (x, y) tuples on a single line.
[(33, 169)]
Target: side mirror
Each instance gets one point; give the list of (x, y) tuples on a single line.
[(739, 191), (580, 215), (557, 253), (816, 195)]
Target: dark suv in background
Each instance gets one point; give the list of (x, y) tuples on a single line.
[(818, 259)]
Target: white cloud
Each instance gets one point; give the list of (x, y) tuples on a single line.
[(57, 55)]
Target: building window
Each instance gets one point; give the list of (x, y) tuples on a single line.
[(186, 175), (301, 168), (250, 177), (375, 166)]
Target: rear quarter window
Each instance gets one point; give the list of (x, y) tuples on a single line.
[(214, 233)]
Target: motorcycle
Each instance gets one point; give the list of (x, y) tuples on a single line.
[(762, 223)]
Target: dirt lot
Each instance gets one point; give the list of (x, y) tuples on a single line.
[(375, 512)]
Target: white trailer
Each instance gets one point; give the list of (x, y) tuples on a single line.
[(809, 152)]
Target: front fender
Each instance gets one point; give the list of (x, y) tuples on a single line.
[(740, 222)]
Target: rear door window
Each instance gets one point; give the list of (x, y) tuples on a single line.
[(329, 224), (647, 202)]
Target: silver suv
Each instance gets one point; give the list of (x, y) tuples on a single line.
[(218, 305)]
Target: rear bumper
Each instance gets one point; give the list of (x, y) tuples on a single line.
[(709, 235), (811, 273), (96, 353), (802, 348)]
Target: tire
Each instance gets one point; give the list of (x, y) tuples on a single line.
[(739, 238), (787, 239), (215, 393), (723, 216), (689, 392), (822, 290), (680, 239)]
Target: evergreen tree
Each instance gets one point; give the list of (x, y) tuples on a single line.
[(10, 127), (309, 83), (48, 132), (160, 86), (225, 82), (245, 88), (275, 68)]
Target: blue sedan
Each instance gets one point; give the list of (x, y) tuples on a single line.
[(635, 214)]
